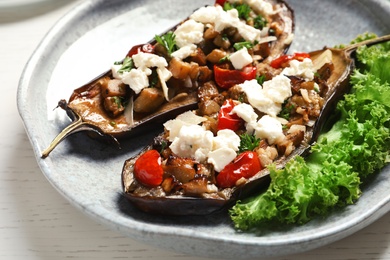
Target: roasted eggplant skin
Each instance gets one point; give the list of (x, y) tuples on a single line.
[(86, 102), (337, 85)]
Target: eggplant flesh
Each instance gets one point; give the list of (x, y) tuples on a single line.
[(89, 110), (334, 64)]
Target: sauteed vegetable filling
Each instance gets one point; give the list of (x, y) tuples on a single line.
[(223, 42), (236, 132)]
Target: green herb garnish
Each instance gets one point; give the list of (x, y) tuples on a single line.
[(168, 41), (243, 9), (260, 79), (127, 65), (153, 79), (286, 111), (118, 101), (259, 22), (224, 59), (240, 45), (248, 143)]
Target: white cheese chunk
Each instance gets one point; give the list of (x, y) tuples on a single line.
[(148, 60), (278, 89), (193, 141), (261, 6), (226, 138), (186, 118), (224, 19), (258, 99), (205, 14), (221, 157), (184, 52), (248, 114), (136, 79), (303, 69), (241, 58), (269, 128), (189, 32), (115, 73)]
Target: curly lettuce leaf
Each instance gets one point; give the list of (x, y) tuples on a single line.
[(357, 146)]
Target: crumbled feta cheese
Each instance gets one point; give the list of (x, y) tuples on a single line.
[(136, 79), (241, 58), (226, 138), (205, 14), (269, 128), (189, 32), (221, 157), (148, 60), (278, 89), (261, 6), (304, 69), (249, 33), (225, 19), (193, 141), (248, 114), (258, 99), (186, 118), (184, 52), (115, 73)]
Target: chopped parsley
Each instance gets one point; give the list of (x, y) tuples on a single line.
[(259, 22), (224, 59), (118, 101), (168, 41), (127, 65), (240, 45), (260, 79), (248, 143), (153, 79), (243, 9), (286, 111)]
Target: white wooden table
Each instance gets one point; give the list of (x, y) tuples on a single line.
[(37, 223)]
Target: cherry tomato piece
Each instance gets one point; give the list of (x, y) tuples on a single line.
[(283, 61), (228, 120), (227, 78), (148, 170), (146, 48), (244, 165), (220, 2)]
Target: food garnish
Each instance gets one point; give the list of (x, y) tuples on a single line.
[(357, 146)]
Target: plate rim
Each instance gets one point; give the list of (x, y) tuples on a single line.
[(140, 231)]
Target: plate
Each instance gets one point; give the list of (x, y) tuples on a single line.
[(87, 41)]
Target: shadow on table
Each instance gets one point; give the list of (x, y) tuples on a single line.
[(17, 11)]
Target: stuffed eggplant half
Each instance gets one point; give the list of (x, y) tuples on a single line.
[(224, 44), (204, 161)]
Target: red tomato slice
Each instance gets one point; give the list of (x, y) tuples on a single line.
[(282, 61), (245, 166), (220, 2), (146, 48), (148, 169), (227, 120), (227, 78)]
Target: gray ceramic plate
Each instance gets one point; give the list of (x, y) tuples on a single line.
[(88, 40)]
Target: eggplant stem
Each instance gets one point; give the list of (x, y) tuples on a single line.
[(70, 129), (370, 42)]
